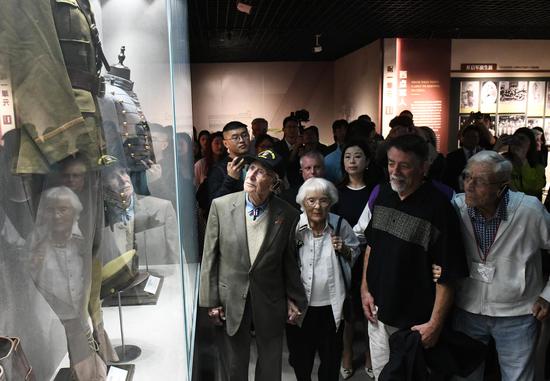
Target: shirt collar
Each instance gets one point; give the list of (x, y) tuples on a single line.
[(250, 207), (501, 213)]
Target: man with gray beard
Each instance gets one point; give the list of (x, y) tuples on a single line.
[(413, 226)]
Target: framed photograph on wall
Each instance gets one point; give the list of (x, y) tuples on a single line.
[(469, 97), (488, 97), (512, 96), (535, 98), (508, 124), (535, 122), (547, 130)]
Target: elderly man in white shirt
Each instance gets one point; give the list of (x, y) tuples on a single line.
[(327, 248)]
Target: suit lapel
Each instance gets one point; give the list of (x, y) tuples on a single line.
[(237, 216), (275, 216)]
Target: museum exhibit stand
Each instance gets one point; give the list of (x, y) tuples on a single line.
[(98, 254)]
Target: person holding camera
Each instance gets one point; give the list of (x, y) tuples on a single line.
[(227, 175), (290, 148)]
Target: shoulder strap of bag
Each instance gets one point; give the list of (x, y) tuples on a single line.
[(340, 258)]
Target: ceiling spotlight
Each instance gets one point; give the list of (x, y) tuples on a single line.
[(244, 8), (317, 48)]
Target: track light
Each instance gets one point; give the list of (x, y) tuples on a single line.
[(317, 48)]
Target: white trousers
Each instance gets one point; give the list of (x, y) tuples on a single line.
[(379, 334)]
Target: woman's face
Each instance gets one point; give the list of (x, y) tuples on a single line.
[(538, 139), (203, 141), (61, 214), (520, 150), (317, 206), (355, 161), (217, 146)]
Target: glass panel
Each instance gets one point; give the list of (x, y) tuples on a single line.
[(98, 253)]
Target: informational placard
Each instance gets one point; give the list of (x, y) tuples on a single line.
[(424, 84), (7, 118), (117, 374), (152, 284)]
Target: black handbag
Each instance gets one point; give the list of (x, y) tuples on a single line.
[(14, 365), (348, 302)]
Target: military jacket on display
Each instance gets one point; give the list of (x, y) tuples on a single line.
[(54, 70)]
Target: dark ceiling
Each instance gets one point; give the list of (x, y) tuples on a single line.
[(284, 30)]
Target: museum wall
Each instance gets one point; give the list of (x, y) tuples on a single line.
[(508, 54), (272, 90), (141, 26), (357, 79)]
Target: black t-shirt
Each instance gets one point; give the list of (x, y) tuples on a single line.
[(406, 238), (351, 203)]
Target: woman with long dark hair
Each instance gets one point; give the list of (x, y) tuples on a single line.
[(214, 152), (353, 194), (528, 174)]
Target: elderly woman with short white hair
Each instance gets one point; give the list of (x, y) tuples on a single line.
[(327, 248)]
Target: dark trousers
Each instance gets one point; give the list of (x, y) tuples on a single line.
[(317, 334), (236, 352)]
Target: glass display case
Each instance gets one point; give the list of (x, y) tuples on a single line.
[(98, 248)]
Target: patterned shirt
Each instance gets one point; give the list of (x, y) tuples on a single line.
[(486, 229)]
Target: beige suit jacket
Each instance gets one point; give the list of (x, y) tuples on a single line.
[(227, 276)]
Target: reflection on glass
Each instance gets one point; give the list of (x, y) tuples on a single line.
[(62, 273)]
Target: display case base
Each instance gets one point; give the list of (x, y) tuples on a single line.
[(64, 374), (136, 296)]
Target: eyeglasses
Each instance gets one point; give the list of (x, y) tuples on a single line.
[(235, 138), (312, 202), (466, 177)]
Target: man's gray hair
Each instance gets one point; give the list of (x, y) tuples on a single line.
[(317, 184), (501, 167), (55, 193), (313, 155)]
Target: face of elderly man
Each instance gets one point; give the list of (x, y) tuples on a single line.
[(119, 182), (481, 187), (258, 182), (406, 171), (312, 167), (61, 214)]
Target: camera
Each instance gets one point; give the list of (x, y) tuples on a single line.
[(301, 115)]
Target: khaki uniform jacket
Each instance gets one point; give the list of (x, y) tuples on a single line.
[(227, 276), (54, 119)]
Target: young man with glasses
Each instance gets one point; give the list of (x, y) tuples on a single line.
[(228, 174)]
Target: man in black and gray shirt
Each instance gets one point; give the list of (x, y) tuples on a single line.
[(413, 226)]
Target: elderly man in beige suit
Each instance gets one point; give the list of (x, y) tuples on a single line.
[(249, 272)]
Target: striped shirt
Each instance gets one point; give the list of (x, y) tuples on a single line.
[(486, 229)]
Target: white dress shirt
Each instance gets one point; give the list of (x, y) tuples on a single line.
[(320, 271)]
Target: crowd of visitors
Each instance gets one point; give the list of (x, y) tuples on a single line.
[(434, 262)]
